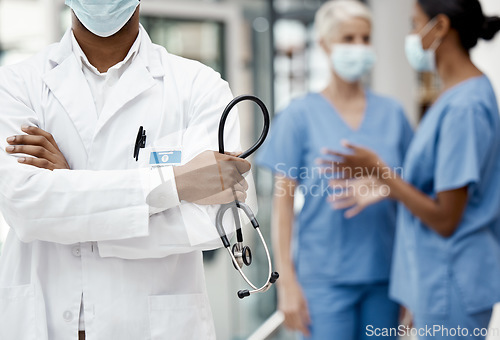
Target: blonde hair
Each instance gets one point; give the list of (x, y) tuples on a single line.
[(334, 12)]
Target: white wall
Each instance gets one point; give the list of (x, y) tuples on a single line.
[(487, 54), (27, 26), (393, 75)]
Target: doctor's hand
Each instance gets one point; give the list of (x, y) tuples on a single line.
[(212, 178), (39, 144), (292, 303)]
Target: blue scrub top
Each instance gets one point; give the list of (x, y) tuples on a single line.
[(328, 247), (457, 145)]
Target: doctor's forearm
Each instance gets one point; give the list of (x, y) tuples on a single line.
[(70, 206), (442, 214)]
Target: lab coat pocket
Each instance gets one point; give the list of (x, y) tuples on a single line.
[(180, 317), (17, 313)]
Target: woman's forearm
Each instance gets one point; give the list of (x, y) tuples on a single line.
[(282, 228), (442, 214)]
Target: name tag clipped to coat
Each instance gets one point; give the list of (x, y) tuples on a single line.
[(166, 157), (156, 156), (153, 157)]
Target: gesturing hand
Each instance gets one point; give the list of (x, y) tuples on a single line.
[(361, 162), (356, 194), (39, 144)]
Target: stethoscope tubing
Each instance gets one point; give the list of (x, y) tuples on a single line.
[(272, 277), (265, 130)]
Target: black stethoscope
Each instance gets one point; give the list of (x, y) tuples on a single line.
[(239, 253)]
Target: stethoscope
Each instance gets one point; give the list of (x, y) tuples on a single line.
[(239, 253)]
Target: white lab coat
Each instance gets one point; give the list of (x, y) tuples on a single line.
[(88, 230)]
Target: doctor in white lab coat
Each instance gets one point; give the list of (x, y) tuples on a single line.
[(110, 248)]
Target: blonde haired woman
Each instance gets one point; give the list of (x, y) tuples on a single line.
[(334, 282)]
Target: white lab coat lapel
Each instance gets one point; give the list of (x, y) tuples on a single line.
[(67, 83), (138, 78), (133, 82)]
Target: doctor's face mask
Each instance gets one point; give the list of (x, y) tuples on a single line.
[(103, 17)]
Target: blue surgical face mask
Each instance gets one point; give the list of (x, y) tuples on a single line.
[(103, 17), (352, 61), (421, 60)]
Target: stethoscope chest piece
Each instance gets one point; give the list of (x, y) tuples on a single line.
[(242, 254)]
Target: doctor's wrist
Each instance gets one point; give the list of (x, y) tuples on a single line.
[(181, 186)]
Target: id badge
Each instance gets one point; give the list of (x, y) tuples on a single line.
[(158, 157)]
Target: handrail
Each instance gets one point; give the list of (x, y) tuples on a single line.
[(269, 327)]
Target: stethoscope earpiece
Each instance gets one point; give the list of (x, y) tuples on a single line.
[(243, 293), (274, 277)]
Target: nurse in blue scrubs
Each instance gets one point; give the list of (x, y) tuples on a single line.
[(334, 271), (446, 266)]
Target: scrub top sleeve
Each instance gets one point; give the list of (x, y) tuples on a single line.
[(462, 146), (283, 151)]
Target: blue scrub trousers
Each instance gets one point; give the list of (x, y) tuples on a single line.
[(447, 326), (343, 312)]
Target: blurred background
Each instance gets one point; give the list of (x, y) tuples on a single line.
[(262, 47)]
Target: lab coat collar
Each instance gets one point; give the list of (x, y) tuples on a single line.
[(134, 81), (150, 55), (75, 95), (84, 62), (147, 53)]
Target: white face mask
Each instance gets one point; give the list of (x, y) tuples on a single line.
[(352, 61), (422, 60), (103, 17)]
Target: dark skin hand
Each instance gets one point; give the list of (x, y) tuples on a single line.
[(103, 53), (442, 214), (209, 178), (39, 144), (47, 155)]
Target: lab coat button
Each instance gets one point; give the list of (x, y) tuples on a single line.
[(68, 316), (76, 251)]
